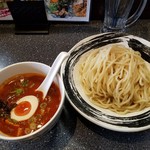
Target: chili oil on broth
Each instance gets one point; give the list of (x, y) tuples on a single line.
[(81, 90), (17, 87)]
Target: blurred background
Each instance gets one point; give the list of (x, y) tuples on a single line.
[(96, 12)]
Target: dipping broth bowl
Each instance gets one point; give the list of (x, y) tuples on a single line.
[(39, 68)]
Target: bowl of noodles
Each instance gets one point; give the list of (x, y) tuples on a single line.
[(107, 80)]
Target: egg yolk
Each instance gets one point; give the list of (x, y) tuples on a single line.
[(22, 108)]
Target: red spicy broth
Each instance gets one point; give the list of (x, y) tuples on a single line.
[(17, 87)]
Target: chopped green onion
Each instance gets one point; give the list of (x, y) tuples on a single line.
[(14, 121), (32, 119), (43, 105), (25, 83), (32, 126), (17, 91), (38, 116)]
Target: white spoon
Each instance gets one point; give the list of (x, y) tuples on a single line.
[(44, 87)]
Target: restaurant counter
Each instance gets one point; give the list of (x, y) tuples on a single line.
[(72, 131)]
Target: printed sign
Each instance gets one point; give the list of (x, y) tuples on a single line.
[(68, 10)]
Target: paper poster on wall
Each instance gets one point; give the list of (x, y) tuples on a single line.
[(68, 10), (4, 12)]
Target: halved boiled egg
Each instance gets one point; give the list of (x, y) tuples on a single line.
[(25, 108)]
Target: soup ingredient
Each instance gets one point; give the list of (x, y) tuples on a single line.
[(25, 108), (5, 108), (116, 78)]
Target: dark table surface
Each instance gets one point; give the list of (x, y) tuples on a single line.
[(72, 131)]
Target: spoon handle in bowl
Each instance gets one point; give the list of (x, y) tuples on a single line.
[(44, 87)]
